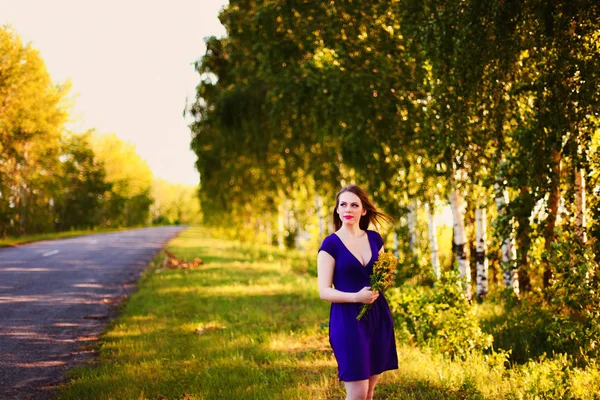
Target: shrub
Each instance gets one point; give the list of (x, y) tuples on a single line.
[(439, 317), (520, 328), (574, 298)]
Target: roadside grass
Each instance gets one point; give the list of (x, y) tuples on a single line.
[(248, 324), (14, 241), (239, 326)]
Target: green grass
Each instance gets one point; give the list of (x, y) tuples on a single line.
[(14, 241), (249, 325)]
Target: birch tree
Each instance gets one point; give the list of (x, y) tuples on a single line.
[(481, 247), (433, 242), (509, 271), (460, 240), (580, 220), (412, 229)]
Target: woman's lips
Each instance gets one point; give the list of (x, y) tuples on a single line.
[(348, 216)]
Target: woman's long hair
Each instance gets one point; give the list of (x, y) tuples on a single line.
[(371, 217)]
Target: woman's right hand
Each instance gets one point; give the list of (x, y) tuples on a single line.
[(366, 296)]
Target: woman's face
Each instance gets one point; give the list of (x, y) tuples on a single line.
[(350, 208)]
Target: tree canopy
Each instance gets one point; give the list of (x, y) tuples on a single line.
[(413, 100)]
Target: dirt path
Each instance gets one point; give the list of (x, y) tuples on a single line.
[(57, 296)]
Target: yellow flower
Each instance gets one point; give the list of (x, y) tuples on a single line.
[(382, 276)]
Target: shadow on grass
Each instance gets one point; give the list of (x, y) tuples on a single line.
[(522, 329), (269, 346), (180, 335), (300, 263), (425, 390), (239, 371)]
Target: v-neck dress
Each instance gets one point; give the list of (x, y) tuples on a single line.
[(366, 347)]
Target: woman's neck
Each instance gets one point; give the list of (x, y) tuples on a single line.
[(353, 230)]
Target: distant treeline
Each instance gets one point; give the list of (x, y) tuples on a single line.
[(55, 180)]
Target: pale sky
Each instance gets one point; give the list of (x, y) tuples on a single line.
[(131, 67)]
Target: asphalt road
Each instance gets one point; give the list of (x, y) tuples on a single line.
[(57, 296)]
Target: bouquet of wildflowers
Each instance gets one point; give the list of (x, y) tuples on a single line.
[(381, 278)]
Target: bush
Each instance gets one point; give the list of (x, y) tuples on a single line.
[(521, 328), (441, 317), (573, 297)]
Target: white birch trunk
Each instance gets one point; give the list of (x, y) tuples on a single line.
[(269, 233), (396, 243), (460, 240), (289, 215), (481, 247), (580, 221), (509, 254), (412, 227), (433, 243), (298, 241), (321, 219), (281, 227)]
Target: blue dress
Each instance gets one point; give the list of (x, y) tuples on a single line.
[(366, 347)]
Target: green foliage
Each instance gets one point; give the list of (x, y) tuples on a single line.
[(520, 328), (84, 185), (409, 99), (175, 203), (574, 299), (128, 201), (441, 317), (50, 179), (555, 379), (32, 115)]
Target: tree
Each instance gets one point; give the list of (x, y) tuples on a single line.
[(175, 203), (83, 185), (128, 201), (32, 115)]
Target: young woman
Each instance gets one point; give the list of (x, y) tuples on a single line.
[(366, 348)]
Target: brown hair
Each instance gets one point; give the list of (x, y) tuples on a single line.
[(372, 215)]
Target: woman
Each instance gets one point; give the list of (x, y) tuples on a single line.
[(366, 348)]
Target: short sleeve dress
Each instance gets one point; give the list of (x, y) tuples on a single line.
[(366, 347)]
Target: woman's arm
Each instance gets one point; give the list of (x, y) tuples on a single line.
[(325, 267)]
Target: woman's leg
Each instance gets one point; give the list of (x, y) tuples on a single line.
[(372, 382), (357, 390)]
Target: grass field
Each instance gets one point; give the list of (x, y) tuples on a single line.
[(14, 241), (248, 324)]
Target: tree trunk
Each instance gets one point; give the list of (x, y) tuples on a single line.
[(460, 238), (524, 241), (319, 208), (289, 216), (396, 244), (412, 227), (269, 233), (280, 231), (553, 200), (481, 247), (580, 205), (433, 244), (510, 273)]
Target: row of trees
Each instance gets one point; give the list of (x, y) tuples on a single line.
[(489, 107), (54, 180)]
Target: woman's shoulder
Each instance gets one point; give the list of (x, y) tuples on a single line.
[(329, 244), (330, 238), (373, 233), (376, 236)]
